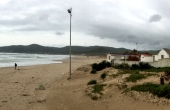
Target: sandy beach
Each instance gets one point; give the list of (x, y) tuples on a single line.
[(45, 87)]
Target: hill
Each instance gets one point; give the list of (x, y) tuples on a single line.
[(35, 48)]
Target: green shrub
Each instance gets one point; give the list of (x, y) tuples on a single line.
[(108, 64), (92, 82), (134, 77), (135, 67), (98, 88), (101, 65), (103, 76), (41, 87), (93, 71), (128, 71), (122, 66), (141, 66), (94, 65), (144, 66), (118, 66), (159, 69), (136, 72), (156, 89), (126, 66)]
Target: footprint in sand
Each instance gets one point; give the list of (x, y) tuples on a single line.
[(4, 101)]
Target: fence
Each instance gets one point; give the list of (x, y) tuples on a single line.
[(161, 63), (114, 62)]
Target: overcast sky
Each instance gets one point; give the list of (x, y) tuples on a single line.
[(141, 24)]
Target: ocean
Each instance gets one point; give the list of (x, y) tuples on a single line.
[(23, 59)]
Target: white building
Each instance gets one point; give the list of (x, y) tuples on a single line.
[(142, 57), (111, 57), (162, 59), (164, 53), (146, 58)]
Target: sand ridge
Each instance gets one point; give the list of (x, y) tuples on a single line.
[(20, 88)]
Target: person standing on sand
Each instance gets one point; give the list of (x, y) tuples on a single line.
[(15, 66), (162, 80)]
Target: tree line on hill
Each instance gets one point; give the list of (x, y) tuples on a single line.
[(35, 48)]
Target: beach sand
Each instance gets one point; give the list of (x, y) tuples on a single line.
[(21, 89)]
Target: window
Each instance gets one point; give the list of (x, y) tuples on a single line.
[(162, 56), (153, 58)]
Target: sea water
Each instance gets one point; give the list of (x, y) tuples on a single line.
[(23, 59)]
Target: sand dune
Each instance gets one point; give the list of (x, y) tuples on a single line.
[(21, 89)]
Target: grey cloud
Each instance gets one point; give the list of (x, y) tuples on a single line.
[(130, 34), (44, 17), (161, 6), (155, 18), (98, 20), (26, 16), (33, 22), (59, 33)]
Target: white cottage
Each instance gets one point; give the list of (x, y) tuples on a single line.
[(110, 57), (164, 53)]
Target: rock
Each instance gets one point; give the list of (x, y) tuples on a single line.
[(122, 86), (4, 101), (154, 101), (41, 100), (95, 96), (26, 94)]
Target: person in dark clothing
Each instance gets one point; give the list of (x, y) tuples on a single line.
[(15, 66), (162, 80)]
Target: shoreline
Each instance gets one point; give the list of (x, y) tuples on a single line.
[(8, 60), (74, 57)]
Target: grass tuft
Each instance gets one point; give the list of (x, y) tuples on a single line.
[(92, 82), (41, 87), (93, 71), (103, 76), (135, 77), (156, 89), (98, 88)]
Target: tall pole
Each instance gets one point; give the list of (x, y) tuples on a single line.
[(70, 46), (69, 11)]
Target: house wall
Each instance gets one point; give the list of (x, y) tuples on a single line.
[(161, 63), (128, 62), (109, 57), (155, 57), (117, 57), (162, 52), (146, 58)]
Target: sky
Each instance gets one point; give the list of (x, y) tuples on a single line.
[(131, 24)]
